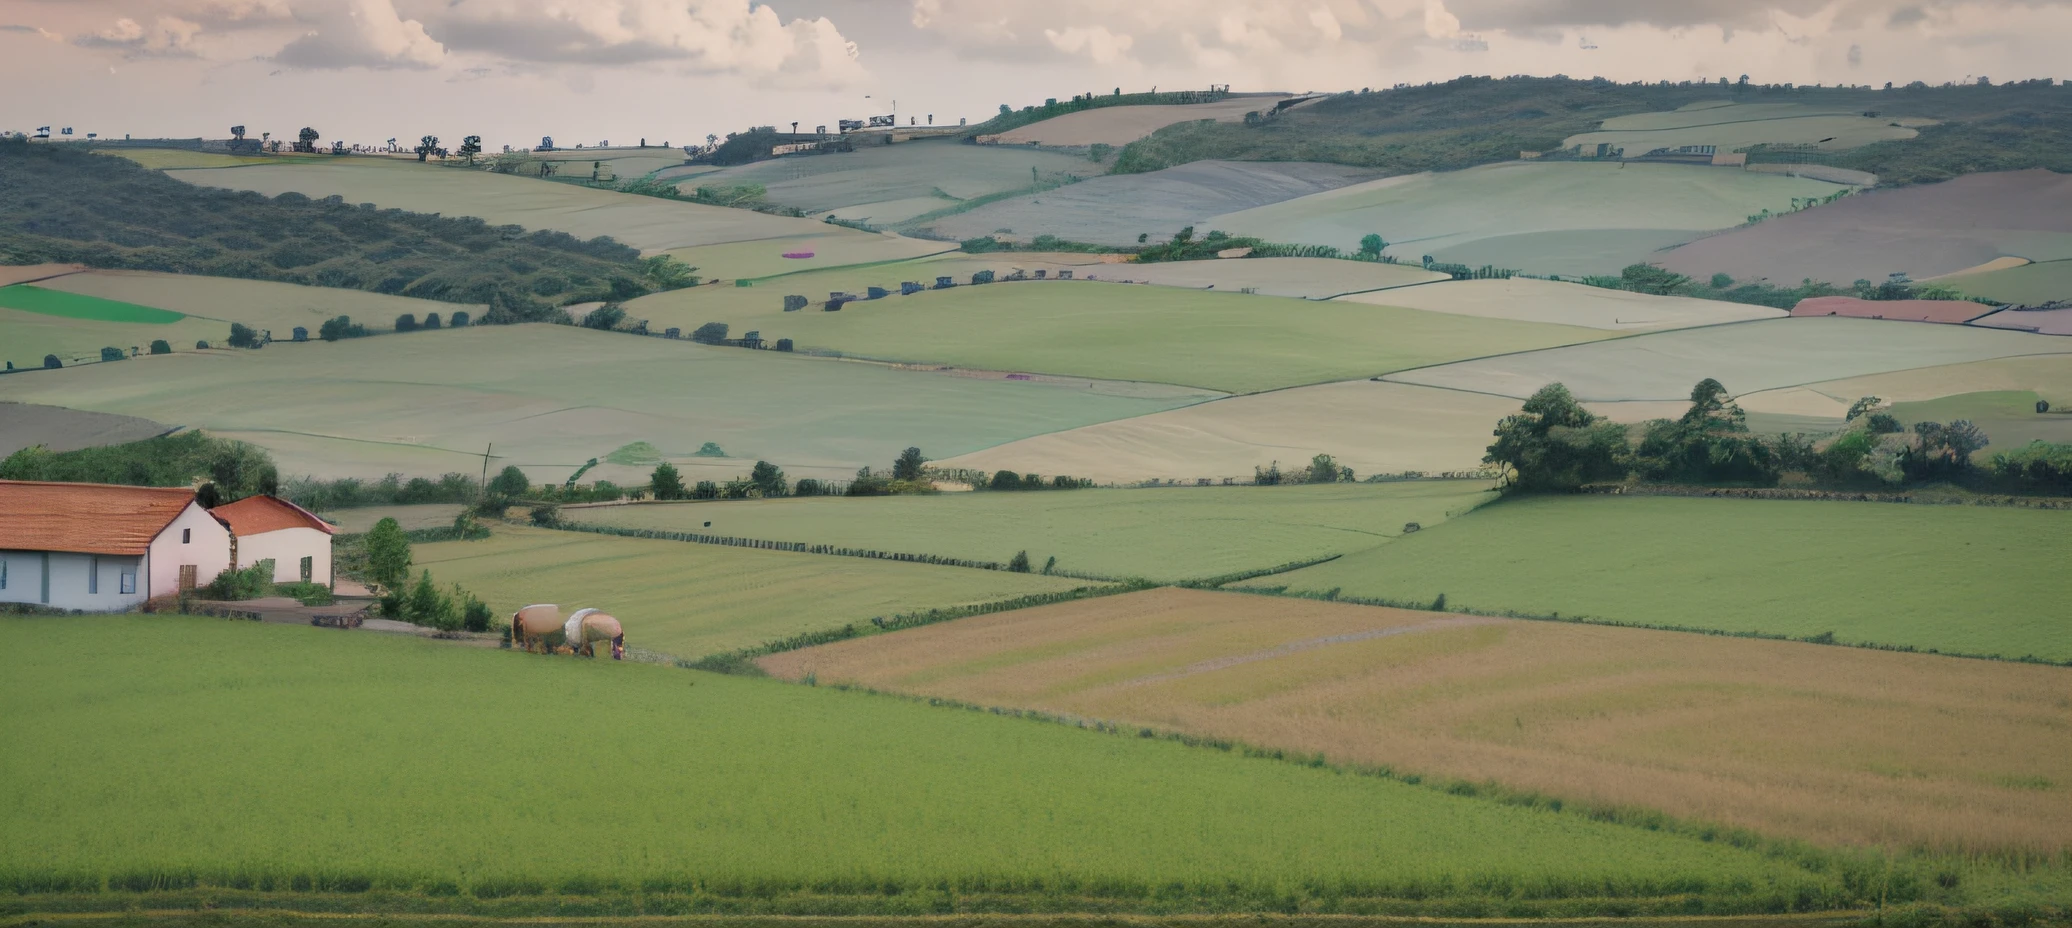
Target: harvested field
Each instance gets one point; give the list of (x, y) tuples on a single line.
[(164, 158), (413, 516), (11, 274), (550, 397), (1530, 300), (1922, 231), (2047, 375), (1372, 427), (1568, 218), (2029, 285), (933, 174), (2008, 417), (1876, 573), (691, 600), (24, 425), (1748, 357), (1114, 210), (1734, 126), (2041, 321), (1834, 746), (1946, 312), (815, 800), (1216, 341), (766, 257), (1308, 278), (650, 224), (1121, 125), (1161, 534)]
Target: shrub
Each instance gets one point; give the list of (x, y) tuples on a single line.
[(546, 515), (112, 354), (783, 344), (2042, 406), (705, 489), (709, 450), (242, 336), (458, 319), (666, 483), (474, 613), (509, 483), (161, 346), (201, 346), (406, 322), (431, 320), (605, 318), (51, 362), (1020, 562), (1005, 480), (768, 478), (808, 486), (908, 465), (240, 584), (340, 327), (711, 333), (388, 556)]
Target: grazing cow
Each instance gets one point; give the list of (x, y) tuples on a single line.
[(588, 626), (532, 624)]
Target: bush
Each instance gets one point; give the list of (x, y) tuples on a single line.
[(474, 613), (783, 344), (666, 483), (808, 486), (431, 320), (242, 336), (51, 362), (240, 584), (161, 346), (2042, 406), (709, 450), (112, 354), (1005, 480), (705, 489), (546, 515), (768, 478), (406, 322), (425, 605), (711, 333), (340, 327), (1020, 562), (605, 318), (201, 346), (458, 319)]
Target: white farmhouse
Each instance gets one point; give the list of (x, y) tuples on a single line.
[(100, 548), (263, 527)]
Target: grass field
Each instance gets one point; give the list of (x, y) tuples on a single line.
[(551, 397), (49, 302), (1372, 427), (647, 223), (2030, 284), (915, 177), (837, 247), (1747, 357), (1530, 300), (1158, 534), (1218, 341), (2009, 418), (1569, 218), (164, 158), (249, 754), (2049, 376), (1835, 746), (691, 600), (1964, 579), (1121, 125), (1735, 126)]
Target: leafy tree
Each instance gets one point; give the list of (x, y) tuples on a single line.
[(1324, 469), (425, 605), (768, 478), (51, 362), (711, 333), (666, 482), (1709, 444), (1647, 278), (474, 613), (1553, 443), (808, 486), (1019, 563), (458, 319), (1939, 450), (431, 320), (1032, 481), (426, 146), (665, 272), (605, 318), (406, 322), (709, 450), (1861, 406), (161, 346), (470, 147), (509, 483), (546, 515), (112, 354), (1005, 480), (340, 327), (908, 466), (243, 336), (1372, 244), (1722, 281), (1881, 423), (306, 140), (705, 489), (388, 555)]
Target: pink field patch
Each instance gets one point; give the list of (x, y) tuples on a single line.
[(798, 254), (1947, 312)]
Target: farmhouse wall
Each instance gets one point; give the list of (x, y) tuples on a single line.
[(206, 547), (63, 580), (287, 547)]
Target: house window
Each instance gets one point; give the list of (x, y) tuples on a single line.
[(3, 573), (93, 574), (129, 581), (308, 568), (186, 535)]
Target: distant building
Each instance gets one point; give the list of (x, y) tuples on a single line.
[(266, 527), (100, 548)]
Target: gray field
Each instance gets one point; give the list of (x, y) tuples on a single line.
[(24, 425), (1114, 210)]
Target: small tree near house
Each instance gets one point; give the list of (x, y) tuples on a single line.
[(666, 482)]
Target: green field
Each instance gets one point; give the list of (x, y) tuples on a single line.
[(2008, 417), (551, 397), (168, 751), (1962, 579), (1218, 341), (1166, 534), (691, 600), (2030, 284), (30, 298)]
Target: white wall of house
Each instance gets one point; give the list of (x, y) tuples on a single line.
[(194, 538), (287, 547), (63, 580)]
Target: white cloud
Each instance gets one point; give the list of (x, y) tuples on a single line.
[(358, 34), (166, 37), (1096, 43)]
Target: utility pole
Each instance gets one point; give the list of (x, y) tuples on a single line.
[(483, 487)]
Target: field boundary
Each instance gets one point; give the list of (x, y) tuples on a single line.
[(800, 547), (1815, 495)]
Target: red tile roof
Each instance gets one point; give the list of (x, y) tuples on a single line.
[(255, 515), (86, 518)]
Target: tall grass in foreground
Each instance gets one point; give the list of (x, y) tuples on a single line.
[(164, 754)]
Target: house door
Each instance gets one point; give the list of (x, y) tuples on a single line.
[(308, 568), (186, 577)]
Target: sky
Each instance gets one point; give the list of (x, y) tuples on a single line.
[(590, 71)]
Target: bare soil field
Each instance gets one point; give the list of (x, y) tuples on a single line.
[(550, 397), (11, 274), (1121, 125), (1733, 126), (1922, 231), (1747, 356), (1532, 300), (1540, 217), (24, 425), (1308, 278), (1372, 427), (921, 176), (1115, 209), (2029, 284), (1835, 746), (650, 224), (1946, 312)]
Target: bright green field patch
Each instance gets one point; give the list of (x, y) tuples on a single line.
[(1966, 579), (228, 749), (79, 306), (690, 600), (1160, 534)]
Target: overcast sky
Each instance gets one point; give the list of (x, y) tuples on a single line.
[(675, 70)]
